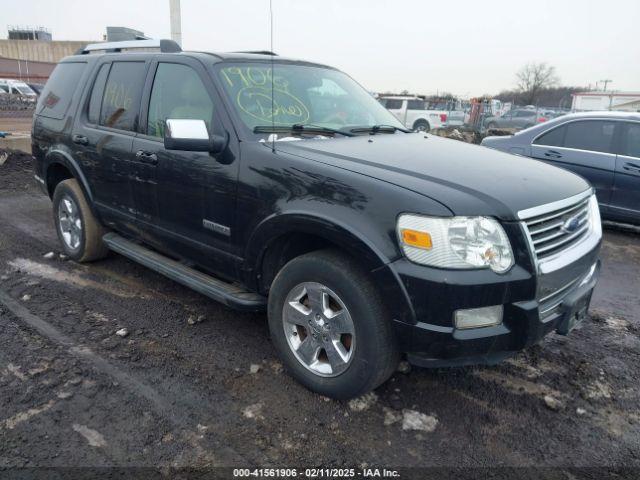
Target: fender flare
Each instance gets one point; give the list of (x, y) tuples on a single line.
[(64, 158), (421, 120), (278, 225), (374, 260)]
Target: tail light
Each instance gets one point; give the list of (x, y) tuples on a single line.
[(443, 117), (542, 119)]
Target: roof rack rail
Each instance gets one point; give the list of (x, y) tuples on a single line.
[(165, 46), (259, 52)]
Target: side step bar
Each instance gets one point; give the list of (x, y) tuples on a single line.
[(221, 291)]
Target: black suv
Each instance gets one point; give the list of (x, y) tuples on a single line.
[(267, 183)]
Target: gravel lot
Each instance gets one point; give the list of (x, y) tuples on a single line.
[(193, 384)]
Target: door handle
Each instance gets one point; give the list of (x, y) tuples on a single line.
[(147, 157), (552, 154), (631, 167), (80, 139)]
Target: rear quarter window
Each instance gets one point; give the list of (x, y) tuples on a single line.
[(393, 104), (60, 89), (415, 105), (552, 138)]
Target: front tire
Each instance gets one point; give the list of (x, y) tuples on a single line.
[(79, 232), (330, 326)]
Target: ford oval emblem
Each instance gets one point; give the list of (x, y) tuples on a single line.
[(571, 224)]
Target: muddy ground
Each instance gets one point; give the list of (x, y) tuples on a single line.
[(194, 384)]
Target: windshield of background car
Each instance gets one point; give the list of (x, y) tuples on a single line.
[(24, 90), (301, 95)]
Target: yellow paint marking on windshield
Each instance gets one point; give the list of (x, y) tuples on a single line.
[(254, 96), (287, 109)]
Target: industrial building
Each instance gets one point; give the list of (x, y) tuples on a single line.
[(30, 54), (606, 100)]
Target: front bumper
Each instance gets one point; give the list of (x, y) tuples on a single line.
[(433, 341)]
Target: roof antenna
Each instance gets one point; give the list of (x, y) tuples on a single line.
[(273, 120)]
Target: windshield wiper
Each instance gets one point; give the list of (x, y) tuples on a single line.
[(379, 129), (299, 128)]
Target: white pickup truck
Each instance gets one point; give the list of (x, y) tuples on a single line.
[(413, 113)]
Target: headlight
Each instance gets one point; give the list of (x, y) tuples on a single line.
[(457, 242)]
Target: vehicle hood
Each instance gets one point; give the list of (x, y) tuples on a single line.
[(468, 179)]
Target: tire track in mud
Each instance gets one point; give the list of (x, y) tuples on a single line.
[(177, 409)]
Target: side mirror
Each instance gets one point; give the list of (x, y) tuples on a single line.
[(191, 135)]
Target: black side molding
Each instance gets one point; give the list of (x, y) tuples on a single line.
[(231, 295)]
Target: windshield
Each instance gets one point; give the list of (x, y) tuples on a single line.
[(302, 95), (24, 90)]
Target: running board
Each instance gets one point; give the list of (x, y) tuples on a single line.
[(221, 291)]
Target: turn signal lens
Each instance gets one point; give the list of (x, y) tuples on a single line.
[(417, 239), (455, 242)]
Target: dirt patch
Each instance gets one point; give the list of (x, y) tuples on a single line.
[(16, 171)]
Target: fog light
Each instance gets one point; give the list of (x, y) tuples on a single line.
[(479, 317)]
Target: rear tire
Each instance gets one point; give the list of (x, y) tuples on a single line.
[(79, 231), (330, 326), (421, 126)]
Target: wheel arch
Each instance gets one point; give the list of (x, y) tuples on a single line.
[(59, 166), (421, 121), (283, 237)]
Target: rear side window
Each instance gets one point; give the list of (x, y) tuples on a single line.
[(393, 104), (553, 138), (631, 142), (59, 90), (122, 92), (592, 135), (95, 101), (415, 105)]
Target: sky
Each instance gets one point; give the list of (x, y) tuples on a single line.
[(466, 47)]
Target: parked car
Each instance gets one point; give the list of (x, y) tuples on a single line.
[(414, 114), (603, 147), (274, 184), (518, 118), (17, 87)]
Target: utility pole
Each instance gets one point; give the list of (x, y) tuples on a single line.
[(176, 22), (606, 82)]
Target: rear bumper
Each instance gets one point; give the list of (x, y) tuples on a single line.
[(525, 322)]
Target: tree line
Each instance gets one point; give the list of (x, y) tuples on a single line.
[(538, 84)]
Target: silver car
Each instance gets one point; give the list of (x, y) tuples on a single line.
[(519, 118)]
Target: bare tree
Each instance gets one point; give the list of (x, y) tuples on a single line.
[(534, 77)]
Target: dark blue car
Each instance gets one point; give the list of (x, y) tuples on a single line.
[(603, 147)]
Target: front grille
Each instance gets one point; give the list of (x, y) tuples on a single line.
[(551, 232)]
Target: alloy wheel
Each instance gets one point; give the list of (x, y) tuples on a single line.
[(70, 222), (319, 329)]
